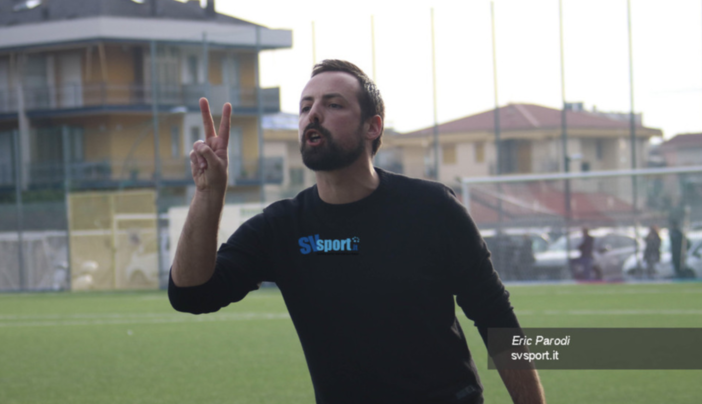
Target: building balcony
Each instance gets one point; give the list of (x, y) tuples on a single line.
[(135, 173), (246, 172), (43, 99)]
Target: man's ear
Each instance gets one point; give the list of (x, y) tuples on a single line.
[(375, 127)]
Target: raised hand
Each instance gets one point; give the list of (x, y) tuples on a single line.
[(208, 159)]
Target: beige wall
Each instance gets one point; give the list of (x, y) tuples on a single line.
[(112, 137), (249, 147), (413, 161), (247, 69), (215, 67), (466, 164), (120, 64)]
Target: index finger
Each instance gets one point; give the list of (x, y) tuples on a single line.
[(207, 121), (225, 122)]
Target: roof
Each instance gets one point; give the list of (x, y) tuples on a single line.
[(684, 140), (544, 202), (18, 12), (70, 22), (526, 117)]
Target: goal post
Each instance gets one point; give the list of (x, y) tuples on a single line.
[(552, 205)]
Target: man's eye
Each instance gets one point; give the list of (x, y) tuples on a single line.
[(335, 105), (304, 109)]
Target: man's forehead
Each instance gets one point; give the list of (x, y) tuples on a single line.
[(342, 83)]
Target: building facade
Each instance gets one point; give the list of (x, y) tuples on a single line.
[(530, 143), (84, 85)]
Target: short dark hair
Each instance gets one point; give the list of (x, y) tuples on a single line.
[(369, 97)]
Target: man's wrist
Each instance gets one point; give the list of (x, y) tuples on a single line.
[(209, 196)]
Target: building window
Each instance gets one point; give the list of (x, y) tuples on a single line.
[(231, 69), (76, 136), (192, 70), (175, 141), (297, 176), (194, 134), (480, 152), (50, 146), (599, 149), (584, 166), (6, 160), (448, 154)]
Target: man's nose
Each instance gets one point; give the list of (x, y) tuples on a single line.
[(315, 114)]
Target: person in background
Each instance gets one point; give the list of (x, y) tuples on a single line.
[(678, 247), (652, 252), (525, 258), (586, 249)]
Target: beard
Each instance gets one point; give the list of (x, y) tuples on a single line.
[(330, 156)]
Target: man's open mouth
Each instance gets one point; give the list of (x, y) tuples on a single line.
[(313, 137)]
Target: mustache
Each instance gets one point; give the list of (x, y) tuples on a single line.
[(317, 127)]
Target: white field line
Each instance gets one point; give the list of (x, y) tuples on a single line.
[(525, 292), (7, 321), (116, 319), (613, 312)]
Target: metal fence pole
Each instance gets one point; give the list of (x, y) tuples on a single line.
[(564, 136), (206, 65), (18, 202), (436, 119), (498, 145), (632, 132), (157, 158), (259, 117), (66, 189)]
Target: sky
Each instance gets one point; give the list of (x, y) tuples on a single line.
[(666, 37)]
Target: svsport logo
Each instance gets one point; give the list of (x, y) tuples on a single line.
[(346, 246)]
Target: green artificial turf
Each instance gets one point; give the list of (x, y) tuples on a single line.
[(97, 348)]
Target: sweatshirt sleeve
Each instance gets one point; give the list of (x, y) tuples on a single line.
[(242, 264), (477, 287)]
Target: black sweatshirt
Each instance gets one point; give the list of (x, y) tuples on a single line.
[(370, 286)]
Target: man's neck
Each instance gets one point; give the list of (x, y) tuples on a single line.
[(349, 184)]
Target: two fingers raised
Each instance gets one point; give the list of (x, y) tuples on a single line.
[(208, 123)]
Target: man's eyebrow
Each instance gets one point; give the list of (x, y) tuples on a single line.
[(325, 96)]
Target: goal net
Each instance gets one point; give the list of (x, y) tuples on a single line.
[(533, 224)]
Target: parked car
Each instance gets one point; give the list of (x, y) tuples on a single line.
[(611, 249), (507, 258), (694, 256), (635, 268)]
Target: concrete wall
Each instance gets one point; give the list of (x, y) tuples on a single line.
[(413, 161)]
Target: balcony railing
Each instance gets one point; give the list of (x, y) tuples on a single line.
[(51, 173), (246, 172), (95, 95), (7, 173), (136, 172)]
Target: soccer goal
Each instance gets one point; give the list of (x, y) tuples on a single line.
[(534, 224)]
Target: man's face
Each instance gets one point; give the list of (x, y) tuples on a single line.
[(330, 127)]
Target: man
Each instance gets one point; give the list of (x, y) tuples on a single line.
[(368, 262), (678, 248), (586, 258)]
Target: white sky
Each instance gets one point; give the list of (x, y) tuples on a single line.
[(667, 38)]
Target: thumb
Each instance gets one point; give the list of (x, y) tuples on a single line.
[(205, 152)]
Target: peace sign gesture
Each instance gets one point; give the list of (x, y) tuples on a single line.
[(208, 159)]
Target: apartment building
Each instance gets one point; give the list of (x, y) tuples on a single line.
[(530, 143), (84, 85), (682, 150)]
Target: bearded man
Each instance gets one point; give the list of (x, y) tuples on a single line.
[(367, 261)]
